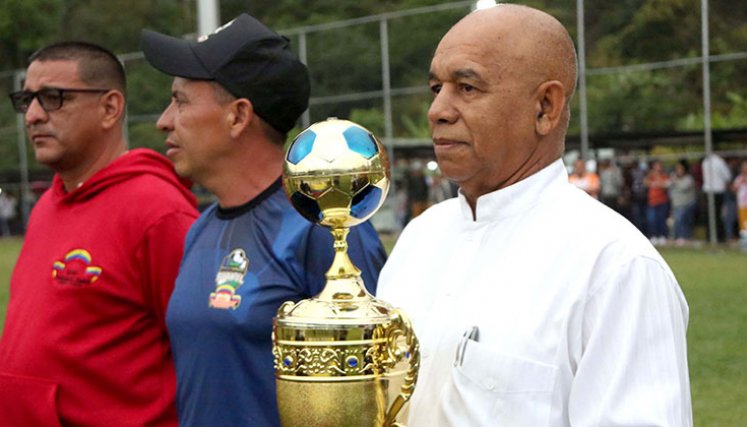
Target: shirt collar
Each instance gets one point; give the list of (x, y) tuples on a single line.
[(236, 211), (516, 198)]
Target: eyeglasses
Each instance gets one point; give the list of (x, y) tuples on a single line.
[(50, 98)]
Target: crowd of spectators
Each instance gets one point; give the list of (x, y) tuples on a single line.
[(668, 201), (417, 189)]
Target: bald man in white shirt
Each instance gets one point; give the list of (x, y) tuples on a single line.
[(535, 304)]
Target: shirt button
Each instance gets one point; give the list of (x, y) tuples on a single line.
[(489, 384), (424, 354)]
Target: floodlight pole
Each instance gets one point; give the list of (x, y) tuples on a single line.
[(208, 16)]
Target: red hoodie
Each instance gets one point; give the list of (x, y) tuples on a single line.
[(85, 341)]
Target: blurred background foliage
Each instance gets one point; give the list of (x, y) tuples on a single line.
[(348, 59)]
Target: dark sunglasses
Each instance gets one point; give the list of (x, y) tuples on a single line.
[(50, 98)]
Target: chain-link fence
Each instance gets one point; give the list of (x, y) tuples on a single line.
[(373, 70)]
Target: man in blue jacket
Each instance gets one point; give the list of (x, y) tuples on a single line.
[(235, 95)]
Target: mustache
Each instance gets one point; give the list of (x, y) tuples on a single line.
[(34, 129)]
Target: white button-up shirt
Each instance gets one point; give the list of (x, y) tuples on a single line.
[(716, 174), (548, 309)]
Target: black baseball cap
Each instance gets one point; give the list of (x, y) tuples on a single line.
[(244, 56)]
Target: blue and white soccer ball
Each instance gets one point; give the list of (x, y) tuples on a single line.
[(336, 173)]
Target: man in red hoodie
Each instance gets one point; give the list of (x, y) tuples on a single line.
[(85, 341)]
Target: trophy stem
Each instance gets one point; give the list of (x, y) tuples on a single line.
[(344, 281)]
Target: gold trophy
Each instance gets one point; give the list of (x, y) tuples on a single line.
[(342, 358)]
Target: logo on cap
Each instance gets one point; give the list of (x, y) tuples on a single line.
[(217, 30)]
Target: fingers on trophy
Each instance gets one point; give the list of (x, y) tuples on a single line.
[(343, 357)]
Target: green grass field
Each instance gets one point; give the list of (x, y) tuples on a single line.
[(9, 249), (715, 283)]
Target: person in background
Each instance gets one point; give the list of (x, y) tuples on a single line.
[(7, 211), (716, 179), (657, 183), (85, 340), (439, 190), (612, 184), (638, 195), (729, 210), (585, 180), (683, 196), (534, 304), (739, 186), (235, 95), (417, 190)]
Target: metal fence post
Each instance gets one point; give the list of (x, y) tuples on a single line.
[(583, 111), (306, 116), (707, 134), (23, 165), (387, 93)]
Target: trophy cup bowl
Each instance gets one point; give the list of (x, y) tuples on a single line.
[(343, 357)]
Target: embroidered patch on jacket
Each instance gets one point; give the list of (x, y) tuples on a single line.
[(76, 269), (230, 276)]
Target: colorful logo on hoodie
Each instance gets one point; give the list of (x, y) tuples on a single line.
[(75, 269), (230, 276)]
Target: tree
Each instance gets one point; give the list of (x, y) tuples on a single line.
[(347, 60)]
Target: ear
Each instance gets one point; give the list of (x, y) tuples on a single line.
[(240, 116), (113, 108), (550, 107)]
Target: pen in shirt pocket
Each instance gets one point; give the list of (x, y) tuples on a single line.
[(473, 334)]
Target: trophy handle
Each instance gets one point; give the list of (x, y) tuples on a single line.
[(411, 377)]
